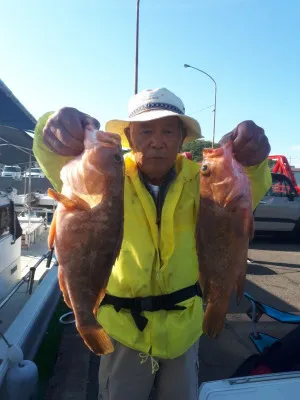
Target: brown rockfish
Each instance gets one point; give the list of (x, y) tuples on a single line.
[(224, 228), (87, 231)]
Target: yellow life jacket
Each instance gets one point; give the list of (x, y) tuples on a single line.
[(157, 261)]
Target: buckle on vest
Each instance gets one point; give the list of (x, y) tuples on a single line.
[(145, 304), (198, 290)]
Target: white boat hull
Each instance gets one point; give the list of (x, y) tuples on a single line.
[(10, 268)]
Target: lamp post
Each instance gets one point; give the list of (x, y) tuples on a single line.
[(215, 102), (136, 71)]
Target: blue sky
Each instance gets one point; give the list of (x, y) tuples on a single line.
[(81, 54)]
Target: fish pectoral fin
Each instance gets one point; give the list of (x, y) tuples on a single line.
[(241, 222), (221, 187), (233, 202), (76, 203)]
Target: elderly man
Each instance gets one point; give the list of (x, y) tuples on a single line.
[(156, 339)]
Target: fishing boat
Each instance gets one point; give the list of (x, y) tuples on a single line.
[(29, 291), (28, 296)]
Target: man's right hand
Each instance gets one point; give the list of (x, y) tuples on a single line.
[(64, 131)]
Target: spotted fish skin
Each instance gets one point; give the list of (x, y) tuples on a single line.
[(87, 233), (223, 230)]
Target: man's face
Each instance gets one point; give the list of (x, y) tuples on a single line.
[(155, 145)]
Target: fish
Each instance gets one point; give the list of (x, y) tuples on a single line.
[(87, 232), (224, 228)]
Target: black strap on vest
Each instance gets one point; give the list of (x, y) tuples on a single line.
[(151, 303)]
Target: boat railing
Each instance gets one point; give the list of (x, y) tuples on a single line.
[(28, 278), (28, 328)]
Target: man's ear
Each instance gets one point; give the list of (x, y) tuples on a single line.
[(183, 132), (127, 134)]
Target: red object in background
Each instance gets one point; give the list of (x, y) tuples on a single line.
[(261, 370), (283, 167), (187, 154)]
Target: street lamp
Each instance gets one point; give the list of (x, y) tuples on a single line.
[(215, 103), (136, 71)]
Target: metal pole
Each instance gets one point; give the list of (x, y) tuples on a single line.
[(31, 279), (29, 191), (215, 102), (25, 183), (136, 71), (21, 148), (215, 111)]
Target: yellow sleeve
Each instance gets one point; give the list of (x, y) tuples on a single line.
[(50, 162), (261, 180)]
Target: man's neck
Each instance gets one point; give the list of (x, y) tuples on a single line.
[(154, 181)]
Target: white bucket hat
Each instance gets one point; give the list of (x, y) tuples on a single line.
[(153, 104)]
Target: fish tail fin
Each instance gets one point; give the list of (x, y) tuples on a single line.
[(213, 320), (70, 204), (52, 232), (96, 339)]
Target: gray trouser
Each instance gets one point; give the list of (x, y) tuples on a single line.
[(122, 376)]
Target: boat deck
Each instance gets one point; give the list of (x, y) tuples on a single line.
[(29, 257), (76, 372)]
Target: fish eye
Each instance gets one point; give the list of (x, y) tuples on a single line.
[(204, 169), (117, 157)]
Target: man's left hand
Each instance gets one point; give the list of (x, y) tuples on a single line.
[(250, 144)]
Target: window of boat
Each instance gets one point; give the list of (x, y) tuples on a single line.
[(4, 219)]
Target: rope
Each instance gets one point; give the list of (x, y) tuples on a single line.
[(5, 340), (62, 321), (154, 364)]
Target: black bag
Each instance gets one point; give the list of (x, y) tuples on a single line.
[(282, 356)]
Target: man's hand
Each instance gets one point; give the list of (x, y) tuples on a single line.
[(250, 144), (64, 131)]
